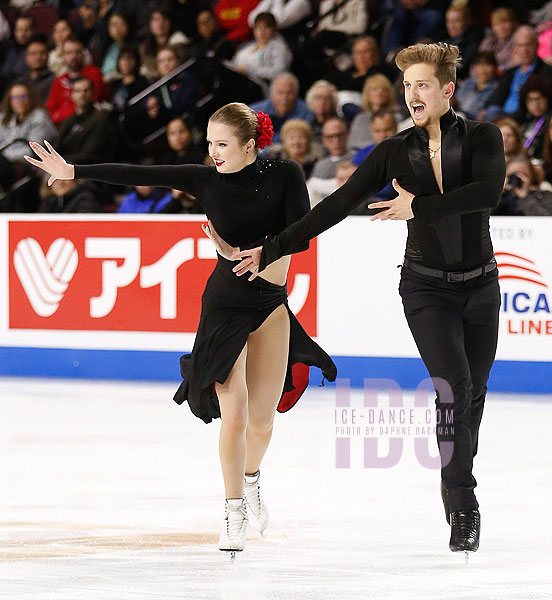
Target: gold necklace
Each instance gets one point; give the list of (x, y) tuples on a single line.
[(432, 152)]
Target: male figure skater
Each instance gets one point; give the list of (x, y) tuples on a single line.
[(454, 172)]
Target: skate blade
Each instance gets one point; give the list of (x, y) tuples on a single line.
[(232, 553)]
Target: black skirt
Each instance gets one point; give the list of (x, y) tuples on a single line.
[(231, 308)]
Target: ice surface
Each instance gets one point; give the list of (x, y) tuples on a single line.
[(112, 491)]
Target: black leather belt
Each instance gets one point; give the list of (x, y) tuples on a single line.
[(451, 275)]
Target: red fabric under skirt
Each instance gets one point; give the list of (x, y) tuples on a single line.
[(231, 309)]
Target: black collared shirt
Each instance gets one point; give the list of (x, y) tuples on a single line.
[(449, 231)]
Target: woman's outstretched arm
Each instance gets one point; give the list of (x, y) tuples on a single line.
[(189, 178)]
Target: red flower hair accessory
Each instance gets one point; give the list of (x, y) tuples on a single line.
[(265, 130)]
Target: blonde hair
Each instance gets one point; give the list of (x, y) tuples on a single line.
[(444, 57), (460, 7), (296, 125), (377, 80), (242, 119)]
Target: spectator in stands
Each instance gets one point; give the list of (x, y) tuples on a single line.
[(344, 171), (61, 32), (413, 20), (13, 53), (89, 26), (118, 30), (232, 16), (500, 41), (145, 199), (321, 98), (182, 149), (378, 93), (184, 12), (506, 97), (366, 62), (210, 39), (546, 167), (334, 138), (535, 98), (512, 137), (383, 125), (284, 103), (464, 33), (85, 136), (22, 116), (344, 20), (181, 203), (129, 83), (297, 145), (36, 59), (474, 92), (288, 15), (5, 30), (70, 196), (60, 103), (522, 195), (318, 188), (160, 35), (178, 94), (266, 56)]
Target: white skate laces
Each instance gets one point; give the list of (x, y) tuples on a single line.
[(256, 508), (234, 526)]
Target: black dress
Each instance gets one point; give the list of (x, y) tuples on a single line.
[(261, 199)]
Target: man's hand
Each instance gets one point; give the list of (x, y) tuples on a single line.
[(250, 261), (398, 209), (223, 248)]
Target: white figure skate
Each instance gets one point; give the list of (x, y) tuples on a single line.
[(256, 507), (234, 527)]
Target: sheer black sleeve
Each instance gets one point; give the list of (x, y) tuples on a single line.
[(368, 179), (188, 178), (488, 169)]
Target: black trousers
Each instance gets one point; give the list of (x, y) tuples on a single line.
[(455, 326)]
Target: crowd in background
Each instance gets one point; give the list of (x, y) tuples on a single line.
[(136, 80)]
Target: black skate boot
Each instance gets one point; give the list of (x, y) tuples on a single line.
[(444, 497), (464, 530)]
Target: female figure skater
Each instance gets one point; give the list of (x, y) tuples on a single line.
[(248, 340)]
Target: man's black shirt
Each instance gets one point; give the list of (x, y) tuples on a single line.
[(449, 231)]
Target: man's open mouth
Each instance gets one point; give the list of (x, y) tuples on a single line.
[(417, 109)]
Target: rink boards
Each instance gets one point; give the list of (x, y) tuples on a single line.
[(120, 296)]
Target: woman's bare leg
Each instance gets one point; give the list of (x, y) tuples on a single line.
[(232, 396), (267, 357)]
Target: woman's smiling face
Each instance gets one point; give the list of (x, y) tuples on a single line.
[(226, 150)]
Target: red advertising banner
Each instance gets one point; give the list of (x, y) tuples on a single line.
[(124, 276)]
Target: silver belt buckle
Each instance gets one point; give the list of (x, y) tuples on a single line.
[(455, 276)]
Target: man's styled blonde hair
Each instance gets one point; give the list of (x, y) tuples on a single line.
[(444, 57)]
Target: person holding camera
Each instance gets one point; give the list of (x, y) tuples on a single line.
[(522, 195)]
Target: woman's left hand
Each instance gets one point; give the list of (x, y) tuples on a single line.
[(223, 248)]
